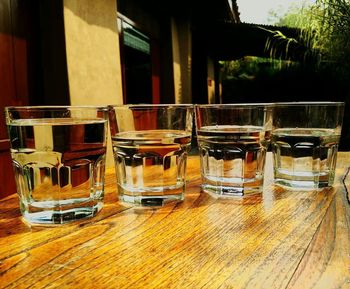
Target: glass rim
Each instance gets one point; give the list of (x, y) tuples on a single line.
[(235, 105), (150, 105), (54, 107), (310, 103)]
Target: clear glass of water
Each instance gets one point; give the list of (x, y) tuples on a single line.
[(233, 140), (305, 140), (150, 145), (58, 155)]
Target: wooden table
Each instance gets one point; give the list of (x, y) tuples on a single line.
[(281, 239)]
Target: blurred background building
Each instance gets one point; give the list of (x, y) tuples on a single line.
[(74, 52)]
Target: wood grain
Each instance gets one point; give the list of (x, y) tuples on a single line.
[(280, 239)]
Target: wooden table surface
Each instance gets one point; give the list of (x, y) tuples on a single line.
[(281, 239)]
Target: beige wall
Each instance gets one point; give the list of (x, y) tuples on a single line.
[(92, 48), (93, 57), (182, 51), (211, 80)]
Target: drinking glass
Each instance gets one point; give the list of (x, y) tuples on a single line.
[(305, 139), (58, 155), (232, 140), (150, 145)]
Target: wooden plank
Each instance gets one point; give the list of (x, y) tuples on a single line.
[(327, 260), (281, 239)]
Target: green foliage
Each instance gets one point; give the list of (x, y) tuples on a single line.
[(333, 33), (325, 32), (298, 15), (250, 67), (278, 44)]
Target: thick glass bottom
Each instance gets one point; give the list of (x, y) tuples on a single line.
[(304, 180), (220, 187), (151, 201), (152, 196), (49, 216), (302, 185)]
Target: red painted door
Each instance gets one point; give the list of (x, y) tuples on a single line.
[(13, 82)]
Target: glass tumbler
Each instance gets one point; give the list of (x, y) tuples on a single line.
[(233, 140), (58, 155), (150, 145), (305, 140)]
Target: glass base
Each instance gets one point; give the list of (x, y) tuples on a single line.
[(304, 180), (151, 197), (229, 191), (53, 217), (302, 185), (232, 187), (151, 201)]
